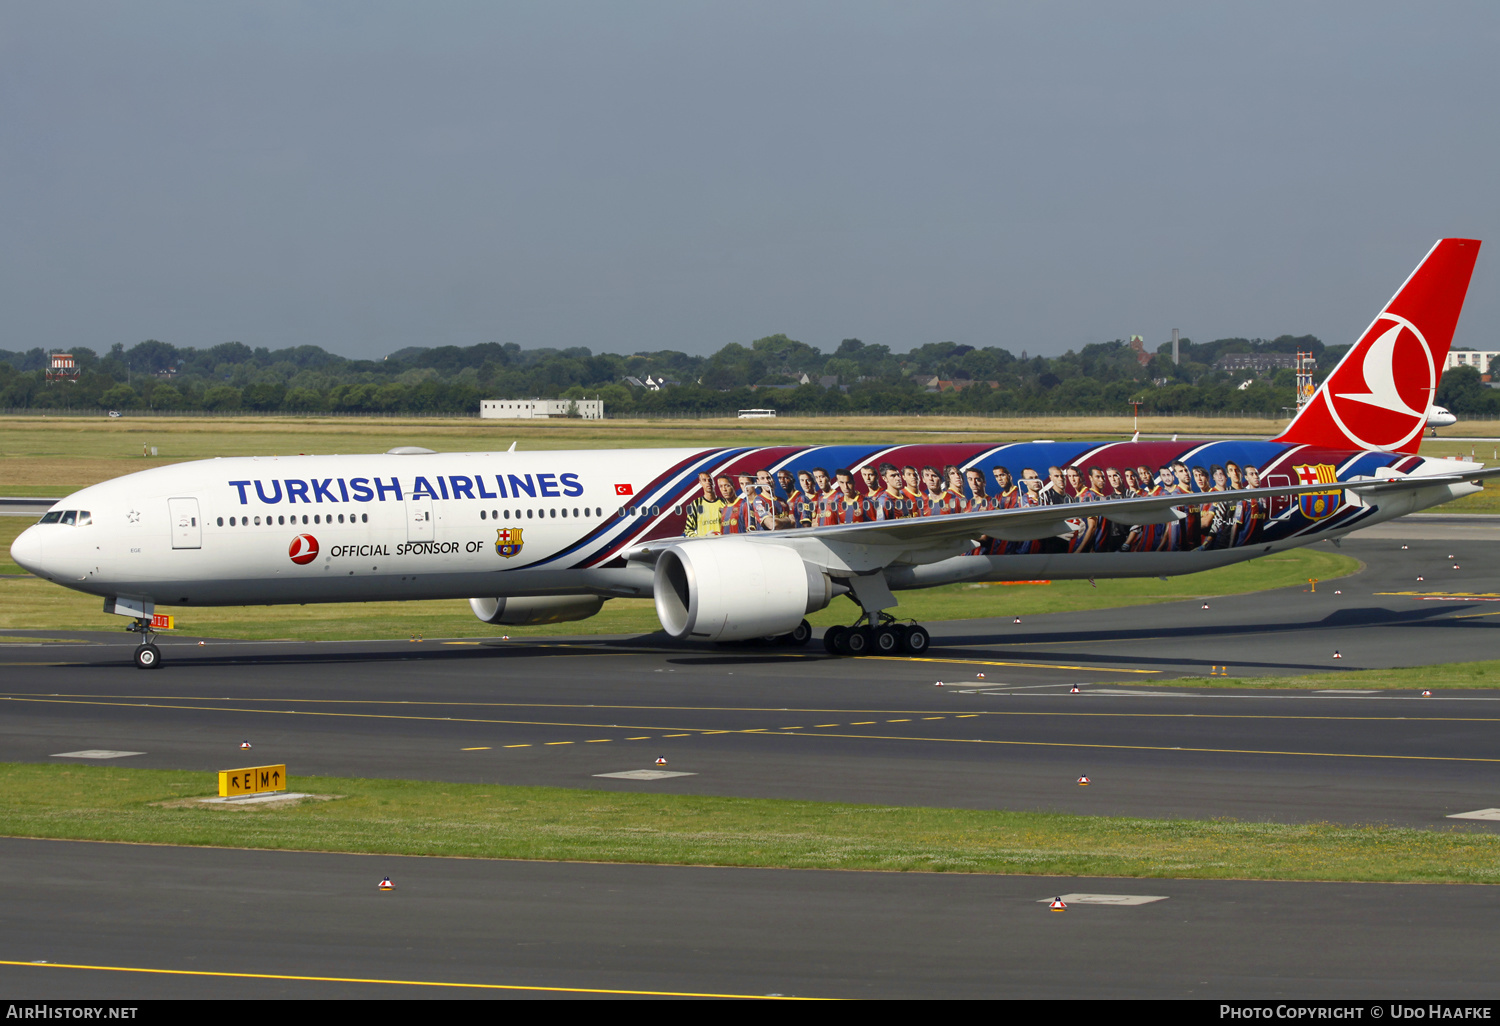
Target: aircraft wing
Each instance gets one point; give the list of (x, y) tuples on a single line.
[(1031, 522), (1043, 521)]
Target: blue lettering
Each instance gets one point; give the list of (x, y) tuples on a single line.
[(463, 488), (361, 486), (394, 486), (548, 483), (571, 487), (295, 490), (269, 499), (343, 491), (479, 483), (320, 489), (241, 485), (443, 485), (521, 484), (500, 484), (423, 487)]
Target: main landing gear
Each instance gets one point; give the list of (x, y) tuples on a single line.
[(878, 635), (147, 655)]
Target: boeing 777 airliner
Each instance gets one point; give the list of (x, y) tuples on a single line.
[(741, 543)]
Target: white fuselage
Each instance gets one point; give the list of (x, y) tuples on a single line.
[(301, 529)]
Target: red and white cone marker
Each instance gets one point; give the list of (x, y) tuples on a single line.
[(1457, 567), (937, 684), (1403, 546), (244, 746), (1451, 556), (1336, 654), (1427, 694), (1018, 619), (1205, 605), (505, 637), (1083, 781), (1073, 690), (1057, 905), (1419, 578), (979, 676), (385, 884), (661, 762)]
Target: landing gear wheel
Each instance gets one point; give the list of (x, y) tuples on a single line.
[(887, 641), (798, 635), (917, 639), (858, 642), (147, 657), (833, 640)]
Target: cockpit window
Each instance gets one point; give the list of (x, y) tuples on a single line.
[(85, 518), (70, 517), (51, 518)]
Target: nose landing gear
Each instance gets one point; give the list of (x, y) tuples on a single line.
[(147, 655)]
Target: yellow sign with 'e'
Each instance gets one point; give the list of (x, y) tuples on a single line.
[(251, 780)]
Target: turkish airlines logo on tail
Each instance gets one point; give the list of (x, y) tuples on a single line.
[(303, 550), (1387, 406)]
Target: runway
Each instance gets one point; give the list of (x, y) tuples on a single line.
[(778, 723), (246, 921), (774, 723)]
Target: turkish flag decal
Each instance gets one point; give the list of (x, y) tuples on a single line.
[(624, 489)]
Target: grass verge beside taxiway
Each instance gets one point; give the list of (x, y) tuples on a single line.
[(1484, 674), (404, 817)]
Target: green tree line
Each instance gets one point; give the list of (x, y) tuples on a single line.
[(774, 372)]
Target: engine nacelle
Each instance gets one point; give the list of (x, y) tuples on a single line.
[(733, 589), (534, 609)]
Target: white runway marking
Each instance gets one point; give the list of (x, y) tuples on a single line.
[(1106, 899), (645, 774), (94, 753), (1477, 814)]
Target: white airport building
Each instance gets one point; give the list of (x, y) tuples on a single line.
[(540, 409), (1476, 358)]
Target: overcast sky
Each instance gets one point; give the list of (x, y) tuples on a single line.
[(637, 175)]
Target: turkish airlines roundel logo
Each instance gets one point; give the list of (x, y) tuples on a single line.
[(1382, 402), (304, 549)]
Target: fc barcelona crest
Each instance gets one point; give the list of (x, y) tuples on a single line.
[(508, 541), (1319, 505)]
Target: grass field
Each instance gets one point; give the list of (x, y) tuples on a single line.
[(27, 603), (490, 821), (1482, 674)]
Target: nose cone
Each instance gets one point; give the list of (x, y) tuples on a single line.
[(26, 550)]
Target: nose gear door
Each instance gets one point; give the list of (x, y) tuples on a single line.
[(187, 530)]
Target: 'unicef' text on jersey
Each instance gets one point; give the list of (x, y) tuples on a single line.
[(375, 489)]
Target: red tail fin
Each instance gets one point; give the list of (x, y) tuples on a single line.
[(1378, 395)]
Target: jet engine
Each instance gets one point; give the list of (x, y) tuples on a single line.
[(734, 589), (533, 609)]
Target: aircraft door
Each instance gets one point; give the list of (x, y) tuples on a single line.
[(419, 526), (187, 530)]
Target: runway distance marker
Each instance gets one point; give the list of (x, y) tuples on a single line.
[(410, 983)]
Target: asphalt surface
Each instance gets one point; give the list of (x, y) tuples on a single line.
[(508, 929), (776, 723), (795, 724)]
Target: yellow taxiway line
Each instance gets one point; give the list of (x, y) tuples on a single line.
[(404, 983)]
